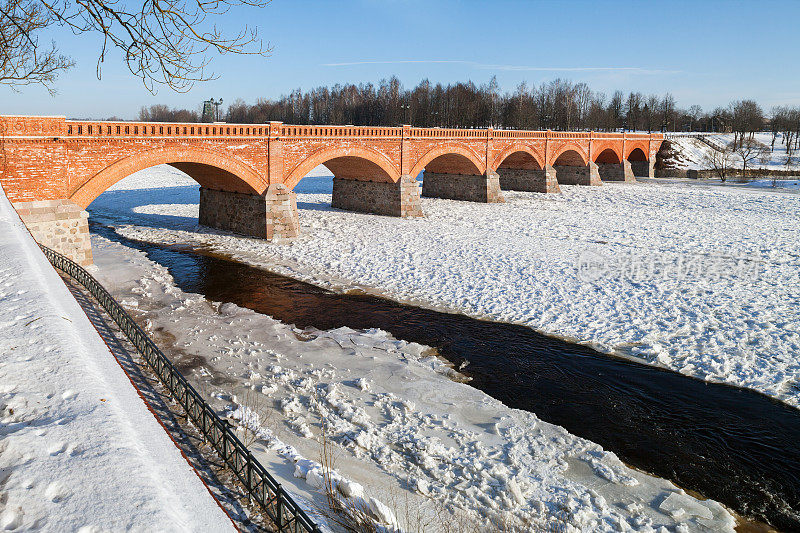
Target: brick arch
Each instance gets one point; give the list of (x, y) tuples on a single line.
[(209, 168), (349, 161), (637, 153), (569, 147), (518, 148), (448, 150), (607, 154), (633, 145)]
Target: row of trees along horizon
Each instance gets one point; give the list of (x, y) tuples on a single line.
[(557, 105)]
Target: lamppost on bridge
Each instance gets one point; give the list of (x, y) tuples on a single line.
[(216, 104), (407, 107)]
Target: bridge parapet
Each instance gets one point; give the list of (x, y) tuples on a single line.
[(288, 130), (20, 126), (89, 129), (519, 134)]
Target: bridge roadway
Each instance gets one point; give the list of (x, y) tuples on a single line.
[(53, 168)]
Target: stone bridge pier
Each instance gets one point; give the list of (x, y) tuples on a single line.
[(458, 177), (272, 215), (615, 171), (611, 168), (400, 199), (471, 188), (572, 169), (529, 180), (520, 170), (61, 225)]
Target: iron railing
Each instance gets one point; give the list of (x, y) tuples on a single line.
[(260, 485)]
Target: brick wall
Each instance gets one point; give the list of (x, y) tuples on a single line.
[(61, 225)]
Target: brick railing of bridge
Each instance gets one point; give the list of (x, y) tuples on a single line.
[(248, 171)]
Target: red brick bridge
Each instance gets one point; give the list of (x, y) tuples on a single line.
[(53, 168)]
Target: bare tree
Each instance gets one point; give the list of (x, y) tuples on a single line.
[(164, 42), (750, 150), (694, 114), (719, 160)]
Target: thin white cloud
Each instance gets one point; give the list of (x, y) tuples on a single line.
[(489, 66)]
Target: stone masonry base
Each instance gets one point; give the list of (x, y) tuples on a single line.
[(520, 179), (399, 199), (569, 175), (616, 172), (271, 216), (61, 225), (484, 188), (643, 169)]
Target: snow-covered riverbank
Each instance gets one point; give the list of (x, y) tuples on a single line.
[(692, 153), (702, 280), (79, 450)]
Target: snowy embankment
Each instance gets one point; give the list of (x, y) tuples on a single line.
[(704, 281), (692, 153), (79, 450)]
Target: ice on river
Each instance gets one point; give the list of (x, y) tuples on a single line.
[(701, 280)]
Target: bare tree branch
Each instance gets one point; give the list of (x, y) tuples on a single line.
[(22, 60), (163, 42)]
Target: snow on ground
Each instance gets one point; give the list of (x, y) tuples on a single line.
[(79, 450), (701, 280), (770, 183), (406, 437), (692, 153)]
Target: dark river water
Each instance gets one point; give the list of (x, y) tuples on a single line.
[(733, 445)]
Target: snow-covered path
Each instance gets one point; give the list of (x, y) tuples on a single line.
[(702, 280), (79, 450)]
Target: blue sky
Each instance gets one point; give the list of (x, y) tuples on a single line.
[(705, 53)]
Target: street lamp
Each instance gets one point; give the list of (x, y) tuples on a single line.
[(407, 108), (216, 104)]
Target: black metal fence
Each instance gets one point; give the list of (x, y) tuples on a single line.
[(261, 486)]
